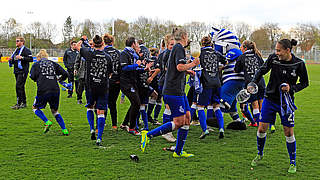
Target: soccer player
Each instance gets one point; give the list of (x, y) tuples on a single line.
[(69, 59), (210, 80), (20, 60), (44, 73), (130, 62), (80, 70), (174, 95), (163, 65), (145, 91), (249, 62), (153, 82), (285, 68), (114, 83), (98, 69)]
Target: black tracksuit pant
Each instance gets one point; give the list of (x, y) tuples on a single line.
[(133, 111), (21, 79)]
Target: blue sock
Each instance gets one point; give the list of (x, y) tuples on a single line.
[(291, 147), (247, 113), (193, 110), (144, 119), (219, 117), (101, 122), (166, 117), (60, 120), (209, 112), (164, 129), (137, 122), (181, 138), (202, 119), (90, 117), (261, 140), (40, 114), (157, 110)]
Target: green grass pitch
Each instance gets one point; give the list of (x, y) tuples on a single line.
[(26, 153)]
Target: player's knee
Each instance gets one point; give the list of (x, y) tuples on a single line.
[(263, 127), (179, 121), (100, 112), (142, 107), (54, 112)]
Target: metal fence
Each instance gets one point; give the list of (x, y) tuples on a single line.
[(312, 56), (51, 52)]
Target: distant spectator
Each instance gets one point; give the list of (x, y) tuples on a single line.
[(69, 59), (20, 59)]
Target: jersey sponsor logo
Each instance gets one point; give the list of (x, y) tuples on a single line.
[(294, 73), (181, 109)]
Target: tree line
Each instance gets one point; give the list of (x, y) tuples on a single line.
[(151, 31)]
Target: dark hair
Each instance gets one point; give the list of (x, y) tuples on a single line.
[(140, 42), (286, 43), (153, 51), (250, 45), (130, 41), (108, 39), (97, 40), (71, 42), (206, 41)]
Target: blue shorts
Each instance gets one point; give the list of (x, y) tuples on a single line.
[(98, 101), (229, 91), (253, 97), (51, 98), (269, 111), (195, 96), (178, 105), (203, 99), (215, 98)]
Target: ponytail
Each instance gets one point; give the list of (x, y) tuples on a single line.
[(250, 45)]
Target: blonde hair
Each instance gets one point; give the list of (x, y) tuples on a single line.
[(42, 54), (108, 39), (250, 45), (177, 33), (167, 39)]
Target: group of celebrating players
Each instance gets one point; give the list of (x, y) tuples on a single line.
[(148, 76)]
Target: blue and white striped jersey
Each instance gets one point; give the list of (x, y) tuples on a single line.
[(229, 74)]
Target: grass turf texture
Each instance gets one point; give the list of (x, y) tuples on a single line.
[(26, 153)]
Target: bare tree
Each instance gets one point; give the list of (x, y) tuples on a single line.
[(273, 32), (11, 28), (121, 28), (260, 37), (102, 28), (224, 23), (142, 29), (242, 30), (306, 34), (196, 30), (49, 31)]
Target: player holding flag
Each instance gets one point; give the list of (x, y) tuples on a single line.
[(285, 69)]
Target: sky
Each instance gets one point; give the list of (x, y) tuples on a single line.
[(254, 12)]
